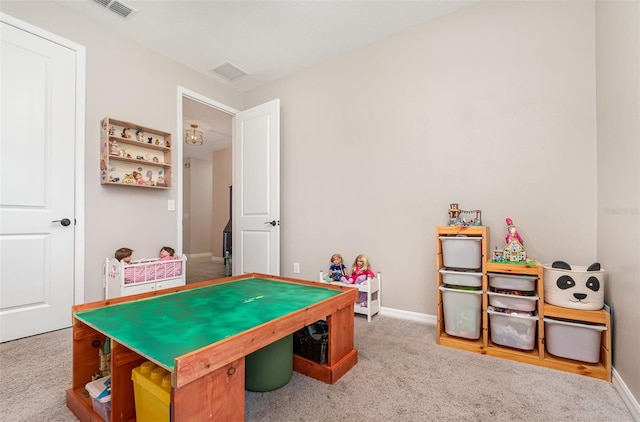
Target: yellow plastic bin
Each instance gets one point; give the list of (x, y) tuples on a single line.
[(152, 392)]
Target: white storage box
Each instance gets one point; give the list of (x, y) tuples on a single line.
[(100, 392), (462, 312), (512, 282), (513, 329), (461, 251), (461, 278), (576, 288), (518, 303), (578, 341)]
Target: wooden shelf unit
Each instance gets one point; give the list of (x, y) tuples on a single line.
[(122, 158), (538, 356)]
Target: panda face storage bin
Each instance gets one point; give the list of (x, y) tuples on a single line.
[(573, 286)]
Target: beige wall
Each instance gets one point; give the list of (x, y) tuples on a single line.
[(221, 182), (492, 107), (200, 207), (618, 105), (127, 82)]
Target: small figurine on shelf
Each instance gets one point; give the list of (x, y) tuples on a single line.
[(139, 179), (129, 179), (149, 177), (112, 131), (454, 215), (125, 134), (360, 273), (160, 181), (512, 232), (337, 270), (113, 149), (157, 141), (514, 250), (139, 135)]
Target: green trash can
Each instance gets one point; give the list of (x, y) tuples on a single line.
[(271, 367)]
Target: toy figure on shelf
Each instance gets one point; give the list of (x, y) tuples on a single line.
[(512, 232), (514, 250), (160, 181), (112, 131), (456, 220), (139, 135), (125, 134), (454, 215), (113, 149)]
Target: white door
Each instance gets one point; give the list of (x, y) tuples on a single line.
[(37, 190), (256, 190)]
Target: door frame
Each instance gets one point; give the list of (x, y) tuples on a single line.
[(192, 95), (79, 159)]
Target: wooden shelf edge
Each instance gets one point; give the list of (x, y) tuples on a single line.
[(81, 406)]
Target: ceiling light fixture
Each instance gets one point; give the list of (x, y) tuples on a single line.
[(193, 136)]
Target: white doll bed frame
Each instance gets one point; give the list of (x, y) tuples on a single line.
[(145, 275), (371, 287)]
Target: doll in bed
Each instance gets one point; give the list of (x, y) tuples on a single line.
[(167, 254), (124, 255)]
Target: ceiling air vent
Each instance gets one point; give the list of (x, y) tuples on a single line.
[(229, 72), (117, 7)]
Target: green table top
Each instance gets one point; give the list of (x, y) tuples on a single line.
[(164, 327)]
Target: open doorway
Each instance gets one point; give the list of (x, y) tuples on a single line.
[(206, 178)]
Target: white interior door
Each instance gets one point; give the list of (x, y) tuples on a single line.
[(37, 189), (256, 190)]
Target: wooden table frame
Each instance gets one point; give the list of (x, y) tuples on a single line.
[(208, 384)]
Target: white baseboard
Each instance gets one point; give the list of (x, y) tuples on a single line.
[(625, 393), (411, 316), (209, 255), (199, 255), (618, 383)]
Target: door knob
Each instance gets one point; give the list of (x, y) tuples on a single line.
[(273, 223), (65, 221)]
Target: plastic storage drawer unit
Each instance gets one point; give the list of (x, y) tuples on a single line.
[(462, 312), (572, 340), (515, 302), (512, 282), (461, 251), (513, 329), (461, 278)]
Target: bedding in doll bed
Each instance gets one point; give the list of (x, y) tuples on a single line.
[(144, 270)]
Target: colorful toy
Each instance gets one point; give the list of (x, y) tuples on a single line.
[(514, 251), (456, 220)]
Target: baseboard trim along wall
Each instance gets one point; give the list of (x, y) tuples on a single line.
[(618, 383)]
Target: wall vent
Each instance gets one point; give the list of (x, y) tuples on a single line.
[(229, 72), (117, 7)]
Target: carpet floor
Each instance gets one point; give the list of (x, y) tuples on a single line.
[(401, 375)]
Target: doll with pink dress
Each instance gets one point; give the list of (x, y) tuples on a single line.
[(360, 272)]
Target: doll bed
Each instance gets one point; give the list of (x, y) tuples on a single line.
[(372, 289), (143, 276)]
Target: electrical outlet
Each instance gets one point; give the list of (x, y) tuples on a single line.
[(296, 268), (171, 205)]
